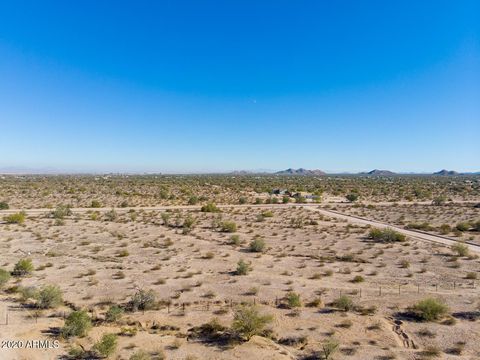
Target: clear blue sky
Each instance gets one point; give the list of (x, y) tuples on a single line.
[(179, 86)]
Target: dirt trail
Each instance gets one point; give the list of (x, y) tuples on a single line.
[(402, 338)]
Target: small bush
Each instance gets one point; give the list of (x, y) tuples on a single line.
[(61, 212), (140, 355), (247, 321), (4, 205), (210, 207), (228, 226), (358, 279), (78, 323), (293, 300), (49, 296), (95, 204), (143, 300), (17, 218), (463, 226), (343, 303), (257, 245), (106, 345), (243, 268), (4, 277), (430, 309), (386, 235), (460, 249), (352, 197), (234, 240), (23, 267), (114, 314)]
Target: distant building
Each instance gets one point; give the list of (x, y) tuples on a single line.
[(283, 192)]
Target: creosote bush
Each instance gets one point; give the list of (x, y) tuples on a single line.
[(257, 245), (78, 323), (114, 314), (243, 268), (4, 205), (210, 207), (430, 309), (293, 300), (460, 249), (247, 321), (23, 267), (49, 297), (228, 226), (143, 300), (344, 303), (106, 345), (4, 277), (386, 235), (17, 218)]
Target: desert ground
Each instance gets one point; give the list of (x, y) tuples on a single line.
[(174, 267)]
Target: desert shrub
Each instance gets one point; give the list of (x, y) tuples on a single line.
[(210, 207), (445, 229), (140, 355), (61, 211), (27, 292), (95, 204), (188, 224), (17, 218), (386, 235), (4, 205), (234, 240), (78, 323), (329, 347), (228, 226), (352, 197), (267, 213), (285, 199), (4, 277), (114, 313), (430, 309), (257, 245), (49, 296), (343, 303), (247, 321), (243, 268), (111, 215), (106, 345), (242, 200), (293, 300), (358, 279), (439, 200), (463, 226), (23, 267), (193, 200), (460, 249), (143, 300)]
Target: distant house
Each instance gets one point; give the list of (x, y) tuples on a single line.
[(305, 195)]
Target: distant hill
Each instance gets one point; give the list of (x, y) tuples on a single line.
[(446, 173), (301, 171), (377, 172)]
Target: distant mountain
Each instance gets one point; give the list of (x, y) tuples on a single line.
[(377, 172), (446, 173), (301, 171)]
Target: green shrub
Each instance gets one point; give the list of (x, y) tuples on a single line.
[(111, 215), (106, 345), (352, 197), (143, 300), (430, 309), (49, 296), (344, 303), (234, 240), (329, 347), (23, 267), (247, 321), (210, 207), (95, 204), (17, 218), (4, 205), (78, 323), (61, 212), (228, 226), (114, 313), (460, 249), (193, 200), (267, 213), (140, 355), (4, 277), (386, 235), (463, 226), (358, 279), (243, 268), (293, 300), (257, 245)]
